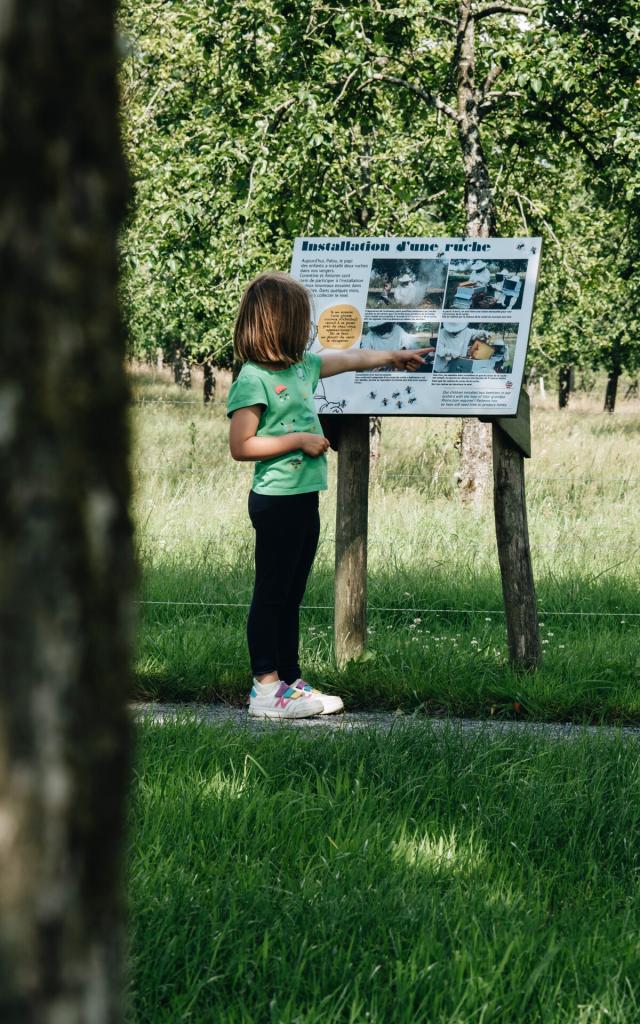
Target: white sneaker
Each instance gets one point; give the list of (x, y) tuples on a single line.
[(279, 700), (331, 704)]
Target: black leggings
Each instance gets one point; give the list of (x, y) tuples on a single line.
[(287, 529)]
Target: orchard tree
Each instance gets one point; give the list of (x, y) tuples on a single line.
[(245, 129), (248, 125), (589, 101)]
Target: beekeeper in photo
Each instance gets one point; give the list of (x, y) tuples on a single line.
[(480, 275), (510, 290), (455, 341)]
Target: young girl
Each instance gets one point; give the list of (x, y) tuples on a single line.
[(274, 424)]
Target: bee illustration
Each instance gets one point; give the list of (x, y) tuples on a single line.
[(409, 390), (412, 400), (343, 403), (385, 401), (398, 405), (373, 394), (396, 394), (521, 246), (440, 254), (534, 249)]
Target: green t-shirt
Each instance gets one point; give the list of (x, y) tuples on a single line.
[(289, 407)]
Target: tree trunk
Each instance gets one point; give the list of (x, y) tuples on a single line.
[(612, 390), (474, 474), (209, 381), (565, 386), (476, 438), (479, 202), (159, 359), (613, 377), (181, 370), (375, 437), (66, 606)]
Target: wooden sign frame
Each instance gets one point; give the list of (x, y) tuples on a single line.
[(511, 444)]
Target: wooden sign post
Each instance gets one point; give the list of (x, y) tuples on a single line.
[(511, 445), (352, 514)]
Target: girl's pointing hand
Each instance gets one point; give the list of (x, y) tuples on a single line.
[(411, 359)]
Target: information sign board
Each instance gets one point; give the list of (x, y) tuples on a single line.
[(468, 301)]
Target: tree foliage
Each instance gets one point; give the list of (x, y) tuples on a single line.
[(249, 124)]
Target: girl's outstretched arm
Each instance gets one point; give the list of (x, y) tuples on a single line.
[(368, 359), (246, 447)]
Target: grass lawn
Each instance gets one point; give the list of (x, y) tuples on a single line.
[(305, 878), (427, 553)]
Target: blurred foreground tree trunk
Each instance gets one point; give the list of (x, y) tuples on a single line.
[(65, 535)]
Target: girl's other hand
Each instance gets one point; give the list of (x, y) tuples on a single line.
[(313, 444), (411, 359)]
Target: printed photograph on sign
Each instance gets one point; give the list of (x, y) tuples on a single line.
[(406, 284), (465, 346), (485, 284), (390, 336)]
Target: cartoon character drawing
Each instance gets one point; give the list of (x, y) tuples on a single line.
[(325, 405)]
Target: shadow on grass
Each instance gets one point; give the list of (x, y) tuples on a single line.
[(407, 878)]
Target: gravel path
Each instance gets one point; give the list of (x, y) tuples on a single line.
[(215, 714)]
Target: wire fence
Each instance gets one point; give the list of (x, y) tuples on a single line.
[(566, 480), (623, 616), (380, 473)]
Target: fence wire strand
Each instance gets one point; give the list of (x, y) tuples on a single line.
[(406, 611)]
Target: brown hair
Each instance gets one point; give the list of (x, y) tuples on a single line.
[(274, 320)]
